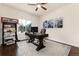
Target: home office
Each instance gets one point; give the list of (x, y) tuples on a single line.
[(59, 20)]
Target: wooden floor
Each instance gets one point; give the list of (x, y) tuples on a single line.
[(9, 50), (74, 51), (27, 49)]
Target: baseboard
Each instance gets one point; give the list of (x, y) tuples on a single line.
[(62, 43)]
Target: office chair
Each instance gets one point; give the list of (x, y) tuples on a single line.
[(43, 31)]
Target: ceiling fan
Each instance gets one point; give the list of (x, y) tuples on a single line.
[(38, 5)]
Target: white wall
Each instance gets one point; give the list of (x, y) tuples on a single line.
[(69, 34), (6, 11), (16, 14)]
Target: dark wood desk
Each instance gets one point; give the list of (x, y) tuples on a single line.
[(38, 36)]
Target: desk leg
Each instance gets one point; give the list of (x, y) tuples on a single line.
[(41, 45), (31, 40)]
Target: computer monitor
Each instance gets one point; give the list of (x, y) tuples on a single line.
[(34, 29)]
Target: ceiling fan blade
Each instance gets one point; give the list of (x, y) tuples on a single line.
[(44, 8), (32, 4), (36, 9), (43, 3)]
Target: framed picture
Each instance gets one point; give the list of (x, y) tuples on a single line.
[(53, 23)]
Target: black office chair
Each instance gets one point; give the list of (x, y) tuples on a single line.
[(43, 31)]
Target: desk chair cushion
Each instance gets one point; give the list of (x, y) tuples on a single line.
[(43, 31)]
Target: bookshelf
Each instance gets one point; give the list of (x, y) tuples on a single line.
[(9, 31)]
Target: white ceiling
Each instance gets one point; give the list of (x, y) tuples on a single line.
[(31, 9)]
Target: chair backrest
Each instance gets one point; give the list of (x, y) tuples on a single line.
[(43, 31)]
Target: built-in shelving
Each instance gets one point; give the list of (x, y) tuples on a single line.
[(9, 31)]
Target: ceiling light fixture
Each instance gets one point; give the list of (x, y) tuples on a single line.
[(38, 6)]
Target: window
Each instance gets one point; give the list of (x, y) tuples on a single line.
[(24, 25)]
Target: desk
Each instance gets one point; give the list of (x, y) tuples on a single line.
[(38, 36)]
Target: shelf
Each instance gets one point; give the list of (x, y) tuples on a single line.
[(9, 41), (9, 36), (9, 30), (8, 27)]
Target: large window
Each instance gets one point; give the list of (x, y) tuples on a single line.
[(24, 25)]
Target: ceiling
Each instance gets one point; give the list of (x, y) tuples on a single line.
[(31, 9)]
